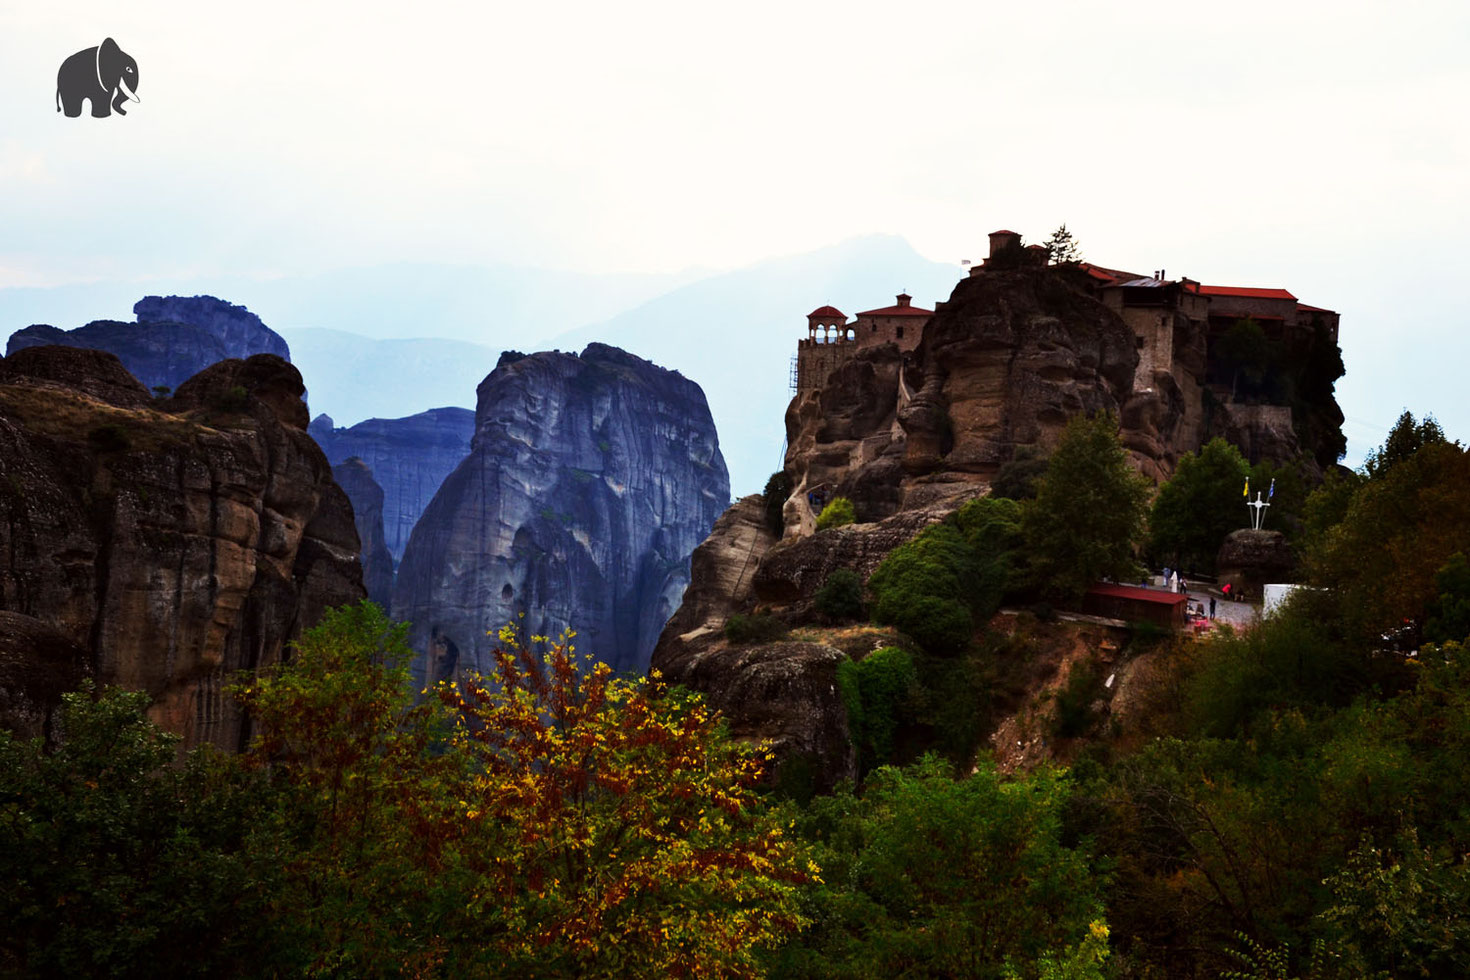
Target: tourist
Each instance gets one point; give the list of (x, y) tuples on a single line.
[(1212, 607)]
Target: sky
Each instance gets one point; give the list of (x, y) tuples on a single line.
[(1317, 147)]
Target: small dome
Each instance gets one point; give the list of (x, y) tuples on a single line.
[(827, 311)]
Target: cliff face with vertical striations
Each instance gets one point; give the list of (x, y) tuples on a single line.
[(174, 338), (409, 458), (176, 541), (356, 480), (590, 481)]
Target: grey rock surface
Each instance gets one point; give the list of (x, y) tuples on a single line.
[(356, 480), (590, 482), (174, 339), (409, 458)]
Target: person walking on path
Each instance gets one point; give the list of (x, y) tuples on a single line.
[(1212, 607)]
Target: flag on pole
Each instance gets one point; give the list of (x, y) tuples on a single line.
[(1246, 493), (1272, 492)]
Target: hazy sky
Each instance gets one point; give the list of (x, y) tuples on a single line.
[(1320, 147)]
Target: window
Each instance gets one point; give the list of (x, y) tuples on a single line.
[(898, 332)]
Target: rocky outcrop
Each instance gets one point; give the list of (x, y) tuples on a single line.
[(174, 338), (590, 481), (793, 570), (785, 692), (408, 457), (176, 541), (356, 480), (1005, 362), (782, 693), (240, 332), (1250, 558)]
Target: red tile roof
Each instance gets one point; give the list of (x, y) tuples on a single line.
[(898, 311), (1313, 309), (1251, 292), (826, 311), (1104, 274), (1137, 594), (1004, 232)]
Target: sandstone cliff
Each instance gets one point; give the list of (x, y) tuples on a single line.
[(174, 338), (408, 457), (356, 480), (782, 692), (176, 541), (590, 481)]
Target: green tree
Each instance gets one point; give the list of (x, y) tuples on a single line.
[(1062, 248), (1088, 513), (118, 860), (1017, 478), (370, 883), (838, 513), (1448, 615), (1401, 528), (930, 875), (924, 588), (1198, 506), (1327, 506), (1405, 439), (841, 595), (877, 692)]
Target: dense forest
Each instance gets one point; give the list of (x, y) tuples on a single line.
[(1298, 804)]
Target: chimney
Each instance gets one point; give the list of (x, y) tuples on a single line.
[(904, 299)]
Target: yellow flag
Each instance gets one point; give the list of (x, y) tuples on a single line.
[(1246, 493)]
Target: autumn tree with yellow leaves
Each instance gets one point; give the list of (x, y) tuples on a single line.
[(551, 820)]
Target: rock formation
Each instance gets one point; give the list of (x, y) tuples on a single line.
[(408, 457), (590, 481), (785, 692), (1250, 559), (1005, 362), (240, 332), (176, 541), (909, 436), (174, 338), (356, 480)]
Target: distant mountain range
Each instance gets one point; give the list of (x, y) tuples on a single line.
[(395, 340)]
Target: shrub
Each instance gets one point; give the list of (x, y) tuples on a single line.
[(921, 588), (755, 628), (778, 489), (1016, 479), (108, 439), (235, 400), (1073, 715), (836, 514), (877, 692), (841, 596)]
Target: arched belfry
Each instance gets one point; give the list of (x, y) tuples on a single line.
[(826, 325)]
